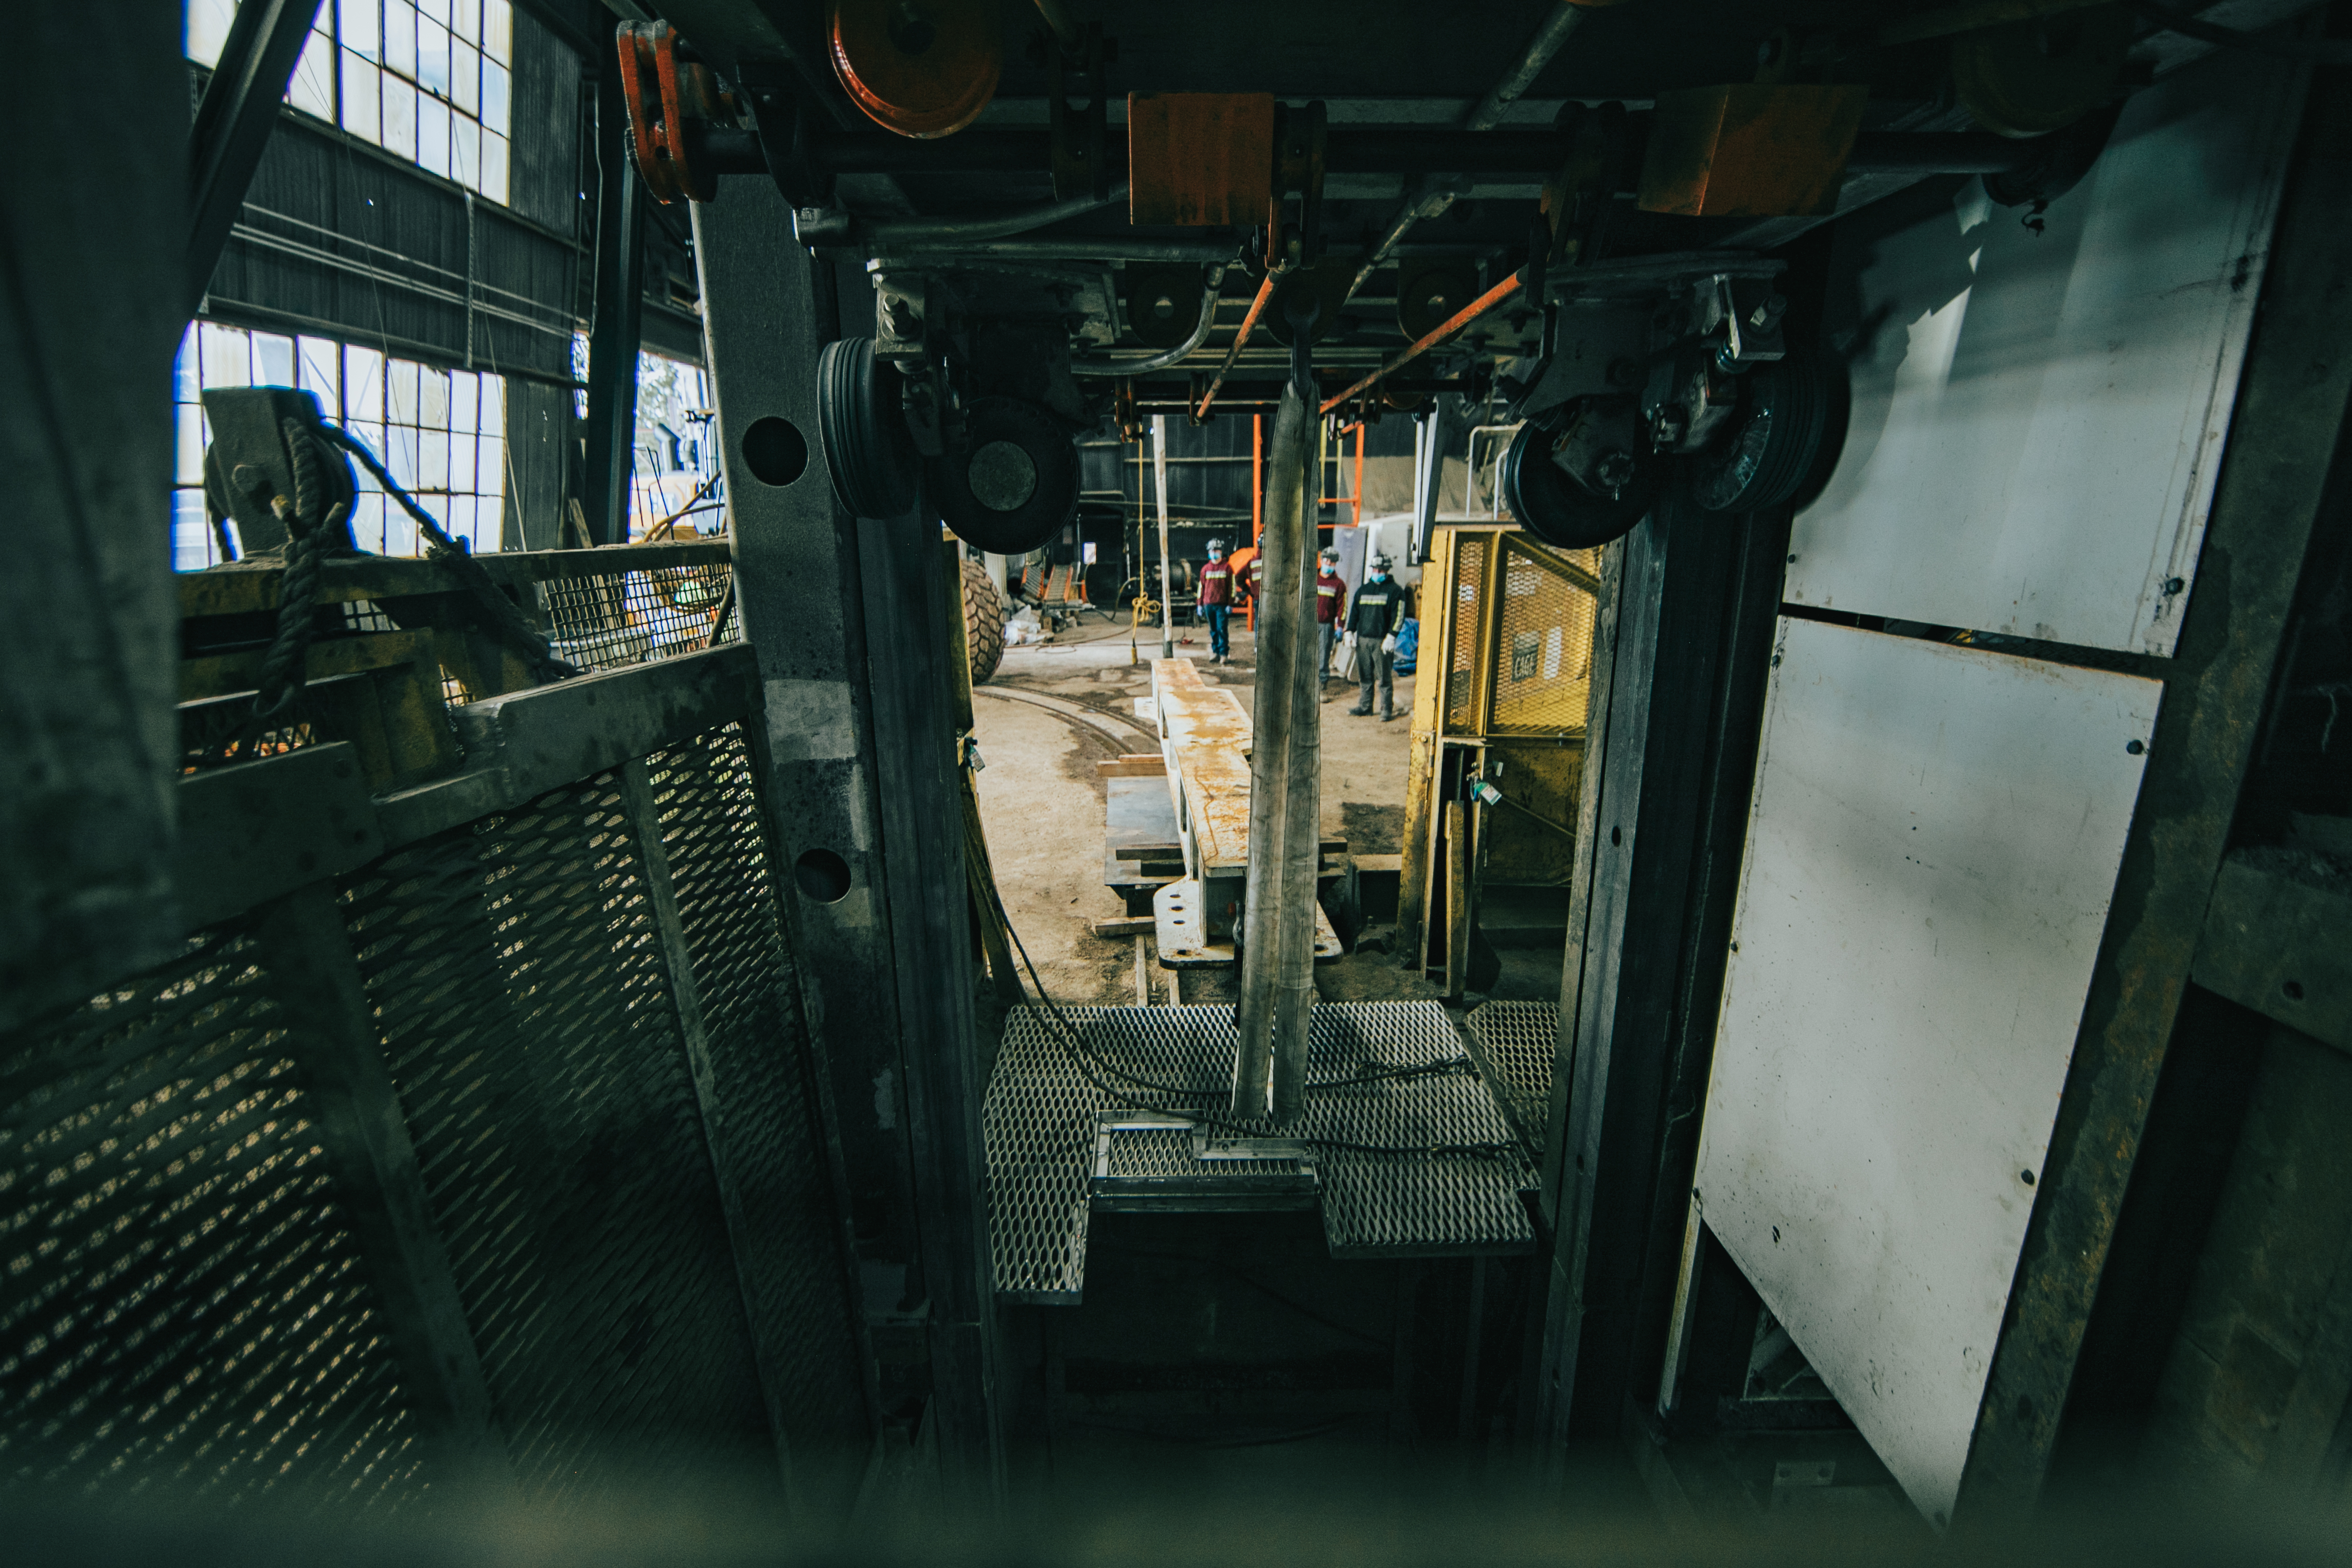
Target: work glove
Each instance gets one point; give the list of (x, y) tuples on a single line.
[(1388, 643)]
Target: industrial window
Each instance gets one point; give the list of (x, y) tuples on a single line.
[(429, 81), (442, 433)]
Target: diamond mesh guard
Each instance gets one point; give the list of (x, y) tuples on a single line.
[(1387, 1192), (1515, 1043)]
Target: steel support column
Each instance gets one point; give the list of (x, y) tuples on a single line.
[(618, 329), (858, 760)]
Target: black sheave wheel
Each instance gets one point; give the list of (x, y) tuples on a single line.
[(1559, 510), (1013, 483), (1776, 439), (868, 449)]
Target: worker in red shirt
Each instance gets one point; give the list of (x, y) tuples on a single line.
[(1215, 598), (1330, 602)]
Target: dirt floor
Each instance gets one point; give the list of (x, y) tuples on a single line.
[(1041, 805)]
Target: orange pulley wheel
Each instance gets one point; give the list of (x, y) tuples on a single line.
[(920, 67)]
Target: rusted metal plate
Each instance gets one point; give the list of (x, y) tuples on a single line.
[(2274, 940), (1206, 739), (1753, 150), (1200, 159)]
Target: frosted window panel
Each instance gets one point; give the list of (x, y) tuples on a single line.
[(186, 385), (466, 152), (498, 31), (433, 460), (318, 369), (402, 410), (192, 532), (465, 396), (435, 11), (433, 134), (399, 117), (374, 438), (433, 399), (491, 465), (312, 87), (188, 444), (227, 356), (465, 78), (273, 360), (494, 167), (495, 92), (362, 99), (207, 28), (356, 27), (458, 519), (400, 37), (493, 405), (362, 384), (367, 522), (400, 461), (460, 450), (433, 56), (466, 20), (399, 532)]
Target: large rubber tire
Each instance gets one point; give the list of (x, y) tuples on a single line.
[(984, 621), (868, 450), (1559, 510), (1772, 449)]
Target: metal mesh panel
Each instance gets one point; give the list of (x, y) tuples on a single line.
[(1543, 656), (1461, 682), (1515, 1043), (604, 623), (185, 1299), (1043, 1111), (769, 1130), (527, 1019)]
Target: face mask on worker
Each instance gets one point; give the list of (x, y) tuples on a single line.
[(1379, 574)]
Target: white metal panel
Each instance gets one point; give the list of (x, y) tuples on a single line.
[(1932, 843), (2039, 415)]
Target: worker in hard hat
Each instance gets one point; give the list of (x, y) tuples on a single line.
[(1330, 606), (1214, 595), (1380, 608)]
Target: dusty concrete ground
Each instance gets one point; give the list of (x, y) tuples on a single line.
[(1041, 805)]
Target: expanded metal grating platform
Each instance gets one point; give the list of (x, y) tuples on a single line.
[(1418, 1167), (1514, 1042)]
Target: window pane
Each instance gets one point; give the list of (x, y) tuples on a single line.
[(495, 93), (400, 458), (355, 27), (498, 31), (185, 384), (433, 134), (465, 398), (461, 461), (227, 356), (465, 78), (378, 442), (187, 444), (207, 28), (494, 167), (433, 399), (363, 112), (367, 522), (400, 37), (402, 409), (318, 369), (466, 19), (399, 117), (192, 532), (364, 387), (433, 460), (466, 151), (491, 465), (273, 360), (399, 532), (458, 519), (494, 400), (438, 10), (433, 56), (312, 87)]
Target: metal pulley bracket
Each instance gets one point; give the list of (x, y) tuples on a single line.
[(1300, 136), (787, 133), (661, 92), (1081, 165)]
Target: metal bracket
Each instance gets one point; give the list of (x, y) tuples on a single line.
[(1081, 165), (787, 135), (1300, 137)]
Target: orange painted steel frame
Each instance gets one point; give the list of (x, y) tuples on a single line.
[(1257, 306), (1257, 496), (1756, 150), (1454, 326)]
